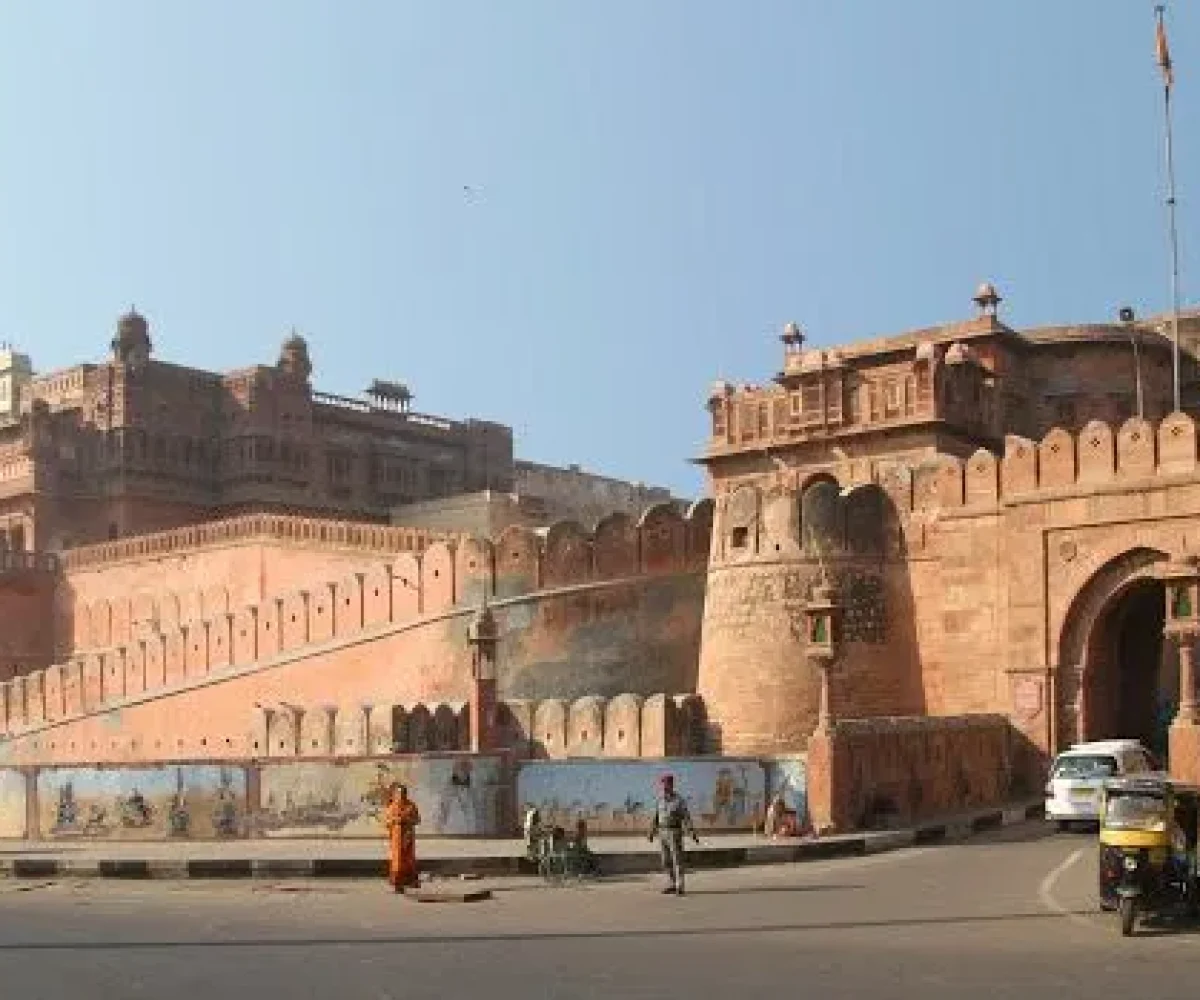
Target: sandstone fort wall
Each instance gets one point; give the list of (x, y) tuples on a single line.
[(607, 613)]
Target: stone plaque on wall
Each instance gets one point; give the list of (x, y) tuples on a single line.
[(1027, 698)]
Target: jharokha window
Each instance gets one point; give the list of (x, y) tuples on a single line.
[(812, 401), (854, 403), (891, 398)]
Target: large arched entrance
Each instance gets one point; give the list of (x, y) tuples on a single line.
[(1130, 685)]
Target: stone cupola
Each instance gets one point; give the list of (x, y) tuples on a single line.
[(294, 359), (132, 344)]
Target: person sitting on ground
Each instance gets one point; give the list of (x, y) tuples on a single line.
[(588, 863), (533, 832), (774, 817)]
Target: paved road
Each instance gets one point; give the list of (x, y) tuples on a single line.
[(1008, 916)]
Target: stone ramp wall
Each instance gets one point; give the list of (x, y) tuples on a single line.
[(420, 666), (566, 583)]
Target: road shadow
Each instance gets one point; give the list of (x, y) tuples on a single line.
[(1020, 833), (523, 937)]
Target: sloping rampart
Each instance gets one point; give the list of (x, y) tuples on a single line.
[(411, 604)]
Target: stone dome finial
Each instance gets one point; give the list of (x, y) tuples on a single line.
[(132, 343), (987, 298), (295, 342)]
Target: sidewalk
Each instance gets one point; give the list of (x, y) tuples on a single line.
[(446, 857)]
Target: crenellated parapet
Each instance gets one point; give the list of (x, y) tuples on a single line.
[(272, 527), (1100, 456), (433, 574), (128, 646), (626, 725), (817, 516), (369, 729)]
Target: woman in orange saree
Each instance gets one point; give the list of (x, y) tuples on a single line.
[(402, 818)]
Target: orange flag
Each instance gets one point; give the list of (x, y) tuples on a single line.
[(1164, 54)]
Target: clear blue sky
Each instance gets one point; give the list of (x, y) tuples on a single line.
[(656, 186)]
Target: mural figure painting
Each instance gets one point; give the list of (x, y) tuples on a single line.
[(671, 820), (456, 797), (402, 819), (136, 812), (225, 812), (179, 818)]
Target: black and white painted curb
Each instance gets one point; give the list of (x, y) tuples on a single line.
[(641, 862)]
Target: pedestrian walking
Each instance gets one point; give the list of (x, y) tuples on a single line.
[(671, 820)]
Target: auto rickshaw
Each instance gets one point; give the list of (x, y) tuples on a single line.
[(1148, 836)]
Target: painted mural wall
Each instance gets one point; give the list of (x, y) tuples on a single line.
[(619, 796), (13, 803), (457, 796), (187, 801)]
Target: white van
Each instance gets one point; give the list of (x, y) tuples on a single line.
[(1078, 774)]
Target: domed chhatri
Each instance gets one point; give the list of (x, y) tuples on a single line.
[(132, 343), (987, 298), (792, 335), (293, 357)]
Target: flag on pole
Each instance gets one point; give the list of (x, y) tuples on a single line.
[(1163, 53)]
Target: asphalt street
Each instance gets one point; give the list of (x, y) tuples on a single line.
[(1009, 915)]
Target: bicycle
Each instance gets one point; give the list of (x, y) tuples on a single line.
[(561, 861)]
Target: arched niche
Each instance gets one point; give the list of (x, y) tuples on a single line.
[(866, 512), (821, 517)]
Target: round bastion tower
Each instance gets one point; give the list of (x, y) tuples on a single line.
[(760, 692)]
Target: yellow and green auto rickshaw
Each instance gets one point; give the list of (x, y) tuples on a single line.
[(1148, 835)]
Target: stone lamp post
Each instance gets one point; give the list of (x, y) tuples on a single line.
[(1182, 582), (483, 636), (822, 618)]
